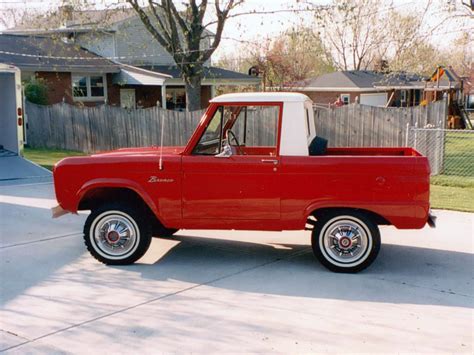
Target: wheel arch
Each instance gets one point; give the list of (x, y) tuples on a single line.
[(95, 193), (324, 211)]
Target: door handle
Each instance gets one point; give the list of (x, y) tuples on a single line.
[(270, 161)]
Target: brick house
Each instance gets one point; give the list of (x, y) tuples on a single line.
[(363, 86), (136, 71), (60, 65)]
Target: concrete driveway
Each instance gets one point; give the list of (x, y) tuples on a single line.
[(221, 291), (15, 169)]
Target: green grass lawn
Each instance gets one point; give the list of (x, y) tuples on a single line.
[(48, 157), (452, 198), (454, 189), (458, 160)]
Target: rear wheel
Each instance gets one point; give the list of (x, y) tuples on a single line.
[(117, 234), (345, 242)]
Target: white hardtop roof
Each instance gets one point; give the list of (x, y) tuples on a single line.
[(262, 97)]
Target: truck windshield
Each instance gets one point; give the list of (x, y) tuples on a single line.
[(211, 141)]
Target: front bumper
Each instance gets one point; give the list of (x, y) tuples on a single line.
[(431, 220), (58, 211)]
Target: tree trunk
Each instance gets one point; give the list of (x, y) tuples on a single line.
[(193, 93)]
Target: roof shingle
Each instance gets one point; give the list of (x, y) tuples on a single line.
[(34, 53)]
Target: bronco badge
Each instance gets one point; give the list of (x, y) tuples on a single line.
[(153, 179)]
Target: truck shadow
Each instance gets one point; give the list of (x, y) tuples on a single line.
[(401, 274)]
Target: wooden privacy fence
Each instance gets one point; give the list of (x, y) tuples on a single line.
[(369, 126), (92, 129), (104, 127)]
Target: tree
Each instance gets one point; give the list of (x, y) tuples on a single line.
[(184, 36), (405, 47), (459, 8), (351, 30), (361, 32), (292, 56), (460, 55), (295, 55)]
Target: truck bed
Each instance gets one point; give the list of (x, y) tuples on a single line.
[(369, 151)]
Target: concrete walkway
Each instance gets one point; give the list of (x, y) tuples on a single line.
[(221, 291)]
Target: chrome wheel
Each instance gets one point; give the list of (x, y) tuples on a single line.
[(345, 241), (114, 234)]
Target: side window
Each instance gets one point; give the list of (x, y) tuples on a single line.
[(210, 142), (256, 129), (253, 130)]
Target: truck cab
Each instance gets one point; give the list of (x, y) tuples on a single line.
[(254, 162)]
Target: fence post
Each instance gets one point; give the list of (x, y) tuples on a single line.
[(415, 135), (407, 133)]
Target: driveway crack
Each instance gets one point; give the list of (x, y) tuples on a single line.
[(424, 287)]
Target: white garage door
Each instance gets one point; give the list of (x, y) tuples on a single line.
[(379, 99), (8, 123)]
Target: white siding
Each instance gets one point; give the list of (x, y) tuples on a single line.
[(379, 99), (133, 41), (136, 46)]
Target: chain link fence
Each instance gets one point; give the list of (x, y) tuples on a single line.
[(450, 152)]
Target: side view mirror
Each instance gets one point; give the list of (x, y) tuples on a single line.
[(226, 150)]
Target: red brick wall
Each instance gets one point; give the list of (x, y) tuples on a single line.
[(59, 86), (145, 96)]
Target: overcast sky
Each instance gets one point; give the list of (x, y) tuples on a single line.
[(257, 27)]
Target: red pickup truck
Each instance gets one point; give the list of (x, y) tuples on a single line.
[(253, 163)]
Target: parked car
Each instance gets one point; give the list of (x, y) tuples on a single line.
[(253, 163)]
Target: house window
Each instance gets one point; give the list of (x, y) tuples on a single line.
[(88, 87), (346, 98)]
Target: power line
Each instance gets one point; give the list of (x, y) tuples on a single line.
[(145, 56)]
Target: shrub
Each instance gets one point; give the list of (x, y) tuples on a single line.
[(36, 91)]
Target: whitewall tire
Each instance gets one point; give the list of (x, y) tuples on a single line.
[(345, 241), (117, 234)]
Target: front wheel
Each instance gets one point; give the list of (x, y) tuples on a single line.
[(117, 234), (345, 242)]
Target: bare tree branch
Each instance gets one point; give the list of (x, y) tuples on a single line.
[(184, 36)]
